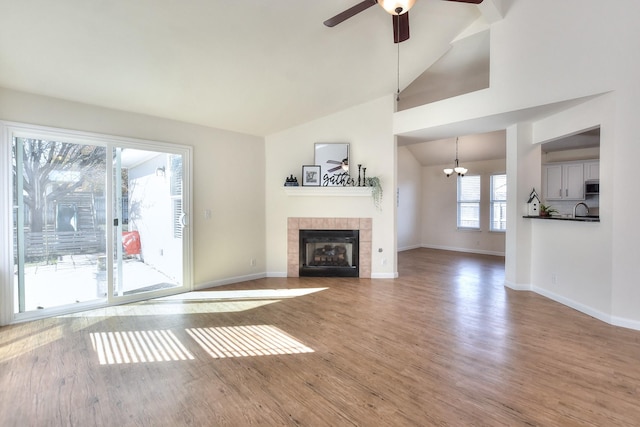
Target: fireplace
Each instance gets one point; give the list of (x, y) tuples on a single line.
[(364, 227), (329, 253)]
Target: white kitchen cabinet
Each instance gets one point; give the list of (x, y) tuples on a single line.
[(591, 170), (564, 181)]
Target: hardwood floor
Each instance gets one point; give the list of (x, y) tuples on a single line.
[(445, 344)]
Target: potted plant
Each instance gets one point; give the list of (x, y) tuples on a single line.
[(376, 190), (547, 210)]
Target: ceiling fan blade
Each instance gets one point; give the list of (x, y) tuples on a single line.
[(352, 11), (468, 1), (400, 27)]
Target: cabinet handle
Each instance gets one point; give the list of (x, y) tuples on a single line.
[(560, 192), (566, 192)]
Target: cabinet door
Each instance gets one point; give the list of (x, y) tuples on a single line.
[(573, 181), (553, 182), (591, 170)]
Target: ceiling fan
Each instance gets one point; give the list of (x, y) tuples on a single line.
[(399, 10)]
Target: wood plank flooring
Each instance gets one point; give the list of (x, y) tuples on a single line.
[(446, 344)]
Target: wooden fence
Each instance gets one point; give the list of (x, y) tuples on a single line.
[(54, 243)]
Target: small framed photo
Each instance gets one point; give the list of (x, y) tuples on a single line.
[(311, 175)]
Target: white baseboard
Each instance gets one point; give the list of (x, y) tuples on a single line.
[(573, 304), (229, 281), (408, 248), (373, 275), (625, 323), (605, 317), (466, 250), (277, 274), (384, 275), (517, 287)]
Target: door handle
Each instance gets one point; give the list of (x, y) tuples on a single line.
[(184, 219)]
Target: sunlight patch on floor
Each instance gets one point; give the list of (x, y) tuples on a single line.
[(242, 294), (164, 308), (200, 302), (115, 348), (244, 341)]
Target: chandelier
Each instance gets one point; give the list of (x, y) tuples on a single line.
[(457, 168)]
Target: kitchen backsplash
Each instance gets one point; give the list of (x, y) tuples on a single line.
[(565, 207)]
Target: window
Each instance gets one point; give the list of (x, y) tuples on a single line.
[(175, 162), (498, 204), (469, 201)]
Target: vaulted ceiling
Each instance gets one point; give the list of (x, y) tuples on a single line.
[(251, 66)]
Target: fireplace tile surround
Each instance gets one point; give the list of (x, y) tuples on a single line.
[(295, 224)]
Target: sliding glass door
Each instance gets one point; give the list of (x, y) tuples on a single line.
[(148, 221), (58, 228), (95, 221)]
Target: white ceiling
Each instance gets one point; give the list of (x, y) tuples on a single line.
[(471, 148), (250, 66)]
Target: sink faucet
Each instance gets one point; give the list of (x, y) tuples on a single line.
[(576, 207)]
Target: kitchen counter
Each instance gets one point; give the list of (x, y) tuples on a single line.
[(588, 218)]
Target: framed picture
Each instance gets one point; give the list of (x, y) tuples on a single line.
[(311, 175), (333, 159)]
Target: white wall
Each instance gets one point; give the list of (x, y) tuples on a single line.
[(544, 52), (439, 207), (571, 262), (367, 128), (228, 175), (409, 193), (151, 215)]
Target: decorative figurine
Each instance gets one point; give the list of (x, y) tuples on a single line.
[(291, 181)]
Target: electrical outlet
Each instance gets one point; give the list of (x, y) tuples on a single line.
[(252, 262), (554, 279), (383, 261)]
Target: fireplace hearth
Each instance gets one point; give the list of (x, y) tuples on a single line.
[(329, 253)]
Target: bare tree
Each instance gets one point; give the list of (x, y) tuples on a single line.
[(52, 170)]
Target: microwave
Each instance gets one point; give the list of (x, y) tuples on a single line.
[(592, 187)]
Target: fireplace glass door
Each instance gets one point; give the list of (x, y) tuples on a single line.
[(329, 253)]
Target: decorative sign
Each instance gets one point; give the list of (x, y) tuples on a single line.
[(333, 159)]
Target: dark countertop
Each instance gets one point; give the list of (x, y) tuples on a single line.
[(591, 218)]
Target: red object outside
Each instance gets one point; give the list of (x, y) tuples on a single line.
[(131, 242)]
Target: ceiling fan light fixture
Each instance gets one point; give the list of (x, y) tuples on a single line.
[(396, 7)]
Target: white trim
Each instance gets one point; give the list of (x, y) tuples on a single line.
[(6, 228), (327, 191), (517, 287), (590, 311), (232, 280), (383, 276), (465, 250), (408, 248), (277, 274), (11, 129), (605, 317), (625, 323)]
